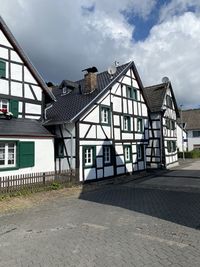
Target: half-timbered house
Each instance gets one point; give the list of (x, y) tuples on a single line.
[(24, 142), (100, 124), (162, 148)]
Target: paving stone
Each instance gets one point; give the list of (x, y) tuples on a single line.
[(123, 225)]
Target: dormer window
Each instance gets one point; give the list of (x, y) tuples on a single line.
[(2, 69)]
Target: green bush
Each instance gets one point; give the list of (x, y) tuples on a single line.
[(190, 154), (55, 186)]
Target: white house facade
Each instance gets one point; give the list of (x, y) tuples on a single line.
[(24, 142), (103, 129), (182, 144), (191, 123), (162, 149)]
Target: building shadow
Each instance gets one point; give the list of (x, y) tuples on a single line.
[(178, 206)]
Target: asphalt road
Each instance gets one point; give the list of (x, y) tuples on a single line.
[(152, 222)]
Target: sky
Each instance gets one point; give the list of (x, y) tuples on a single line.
[(63, 37)]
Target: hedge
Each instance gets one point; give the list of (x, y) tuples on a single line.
[(190, 154)]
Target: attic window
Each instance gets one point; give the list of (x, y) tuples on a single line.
[(169, 101)]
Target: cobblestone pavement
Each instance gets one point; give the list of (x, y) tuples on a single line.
[(122, 225)]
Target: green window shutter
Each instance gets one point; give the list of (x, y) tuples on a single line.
[(14, 107), (2, 69), (26, 154)]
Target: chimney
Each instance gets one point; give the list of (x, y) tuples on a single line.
[(90, 81)]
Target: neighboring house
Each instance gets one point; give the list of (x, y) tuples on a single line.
[(162, 149), (25, 145), (181, 138), (101, 124), (191, 123)]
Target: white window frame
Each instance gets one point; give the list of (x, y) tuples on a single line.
[(107, 154), (88, 156), (127, 153), (105, 115), (140, 125), (129, 92), (127, 123), (6, 102), (139, 152), (6, 155)]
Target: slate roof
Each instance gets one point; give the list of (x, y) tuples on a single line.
[(23, 127), (25, 58), (155, 96), (191, 118), (69, 107)]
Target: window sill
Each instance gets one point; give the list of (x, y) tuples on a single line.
[(105, 124), (127, 131), (88, 166)]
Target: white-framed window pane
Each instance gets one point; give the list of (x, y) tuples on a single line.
[(105, 115), (126, 123), (4, 104), (88, 157), (129, 92), (2, 154), (127, 152), (139, 125), (11, 154), (7, 155), (139, 152), (107, 154)]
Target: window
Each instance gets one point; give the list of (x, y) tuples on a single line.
[(169, 101), (2, 69), (140, 152), (11, 105), (168, 146), (105, 115), (7, 155), (16, 154), (127, 153), (172, 125), (131, 92), (167, 121), (107, 155), (196, 133), (88, 154), (59, 148), (127, 123), (4, 105), (139, 125), (171, 146)]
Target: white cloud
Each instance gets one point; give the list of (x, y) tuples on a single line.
[(62, 38), (172, 50), (178, 7)]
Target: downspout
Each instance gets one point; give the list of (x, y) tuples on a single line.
[(71, 146)]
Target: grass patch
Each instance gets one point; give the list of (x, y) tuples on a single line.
[(30, 189)]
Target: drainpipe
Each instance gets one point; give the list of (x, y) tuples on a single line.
[(71, 146)]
